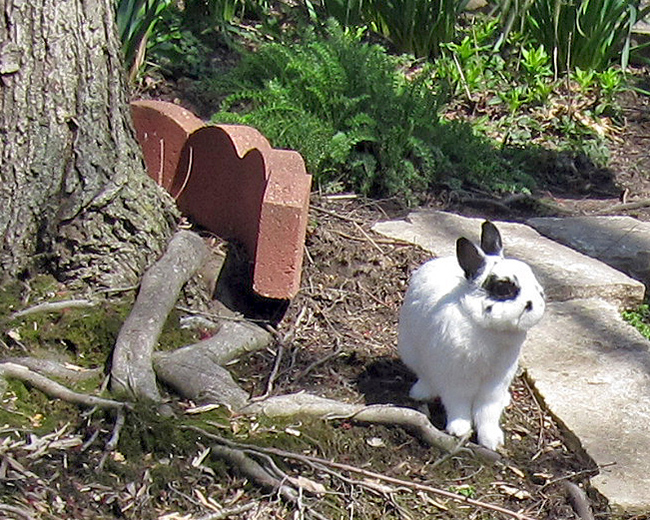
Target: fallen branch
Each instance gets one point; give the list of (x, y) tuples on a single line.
[(54, 389), (317, 461), (409, 419), (132, 373)]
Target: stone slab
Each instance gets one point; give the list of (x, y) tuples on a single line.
[(564, 273), (592, 370), (621, 242)]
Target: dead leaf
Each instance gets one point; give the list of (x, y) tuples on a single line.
[(308, 485), (200, 457), (292, 431), (375, 442), (517, 471), (512, 491)]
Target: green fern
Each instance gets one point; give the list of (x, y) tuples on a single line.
[(357, 121)]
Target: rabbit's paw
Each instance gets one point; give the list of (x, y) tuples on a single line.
[(459, 427), (420, 391), (491, 437)]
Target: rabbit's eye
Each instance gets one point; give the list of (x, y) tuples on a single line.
[(501, 289)]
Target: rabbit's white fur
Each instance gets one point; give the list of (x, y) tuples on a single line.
[(461, 330)]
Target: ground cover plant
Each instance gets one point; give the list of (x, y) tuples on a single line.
[(588, 35), (358, 119), (379, 123)]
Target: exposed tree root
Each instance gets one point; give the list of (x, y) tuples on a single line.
[(578, 499), (54, 389), (196, 372), (412, 420), (264, 477), (53, 307), (132, 372), (200, 379), (51, 368)]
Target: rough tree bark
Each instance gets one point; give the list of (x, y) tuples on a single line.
[(74, 198)]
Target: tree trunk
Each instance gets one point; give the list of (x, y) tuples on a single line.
[(74, 196)]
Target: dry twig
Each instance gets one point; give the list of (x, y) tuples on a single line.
[(23, 513), (53, 307), (627, 206), (227, 512), (311, 461), (337, 215)]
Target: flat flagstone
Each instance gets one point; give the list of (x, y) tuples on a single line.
[(593, 372), (621, 242), (564, 273)]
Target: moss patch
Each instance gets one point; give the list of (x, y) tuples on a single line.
[(81, 336)]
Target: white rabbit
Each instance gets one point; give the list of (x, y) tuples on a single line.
[(462, 325)]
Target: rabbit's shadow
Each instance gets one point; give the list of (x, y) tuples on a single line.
[(388, 381)]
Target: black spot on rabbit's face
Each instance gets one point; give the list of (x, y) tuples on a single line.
[(501, 289)]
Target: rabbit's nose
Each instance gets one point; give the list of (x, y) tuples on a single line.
[(529, 306)]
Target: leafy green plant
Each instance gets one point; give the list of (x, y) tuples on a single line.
[(471, 65), (584, 78), (589, 34), (418, 27), (356, 119), (178, 49), (136, 20), (515, 97), (176, 32), (536, 61), (348, 13), (611, 81), (639, 318)]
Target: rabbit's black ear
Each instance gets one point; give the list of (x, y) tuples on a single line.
[(491, 243), (470, 258)]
